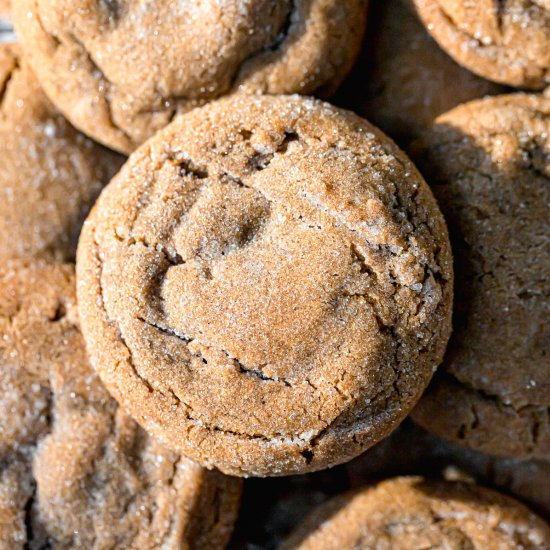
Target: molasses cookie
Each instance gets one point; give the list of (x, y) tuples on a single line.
[(410, 450), (75, 471), (266, 285), (507, 41), (50, 174), (403, 80), (122, 70), (488, 162), (409, 513)]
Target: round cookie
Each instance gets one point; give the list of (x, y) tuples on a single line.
[(271, 509), (410, 450), (266, 285), (488, 162), (122, 70), (50, 174), (409, 513), (75, 471), (505, 41), (403, 80)]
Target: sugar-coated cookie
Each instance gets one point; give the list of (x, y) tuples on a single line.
[(488, 163), (120, 69), (50, 174), (266, 285)]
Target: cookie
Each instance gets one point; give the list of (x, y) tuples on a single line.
[(273, 508), (505, 41), (266, 285), (75, 471), (410, 450), (122, 70), (412, 512), (488, 162), (50, 174), (403, 80)]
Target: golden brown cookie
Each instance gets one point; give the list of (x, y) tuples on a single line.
[(50, 174), (121, 70), (488, 162), (410, 450), (507, 41), (75, 471), (266, 285), (403, 79), (273, 508), (409, 513)]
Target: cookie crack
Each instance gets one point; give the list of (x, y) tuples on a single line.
[(5, 84), (241, 367), (276, 46)]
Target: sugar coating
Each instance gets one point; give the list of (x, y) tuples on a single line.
[(121, 70), (507, 41), (266, 285), (408, 513), (50, 174), (75, 471), (488, 162)]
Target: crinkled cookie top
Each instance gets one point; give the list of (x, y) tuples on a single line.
[(120, 70), (488, 163), (75, 471), (266, 285)]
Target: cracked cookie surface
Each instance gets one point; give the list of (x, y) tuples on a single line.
[(266, 285), (507, 41), (50, 174), (120, 70), (488, 163), (75, 471), (409, 513)]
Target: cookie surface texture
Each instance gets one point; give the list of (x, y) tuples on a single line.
[(121, 70), (50, 174), (412, 512), (488, 162), (266, 285), (75, 471)]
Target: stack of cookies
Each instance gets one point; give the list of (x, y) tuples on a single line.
[(211, 274)]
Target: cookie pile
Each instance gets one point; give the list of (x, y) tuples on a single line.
[(268, 287)]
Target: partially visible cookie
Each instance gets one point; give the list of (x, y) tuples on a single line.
[(271, 509), (50, 174), (488, 163), (412, 512), (410, 450), (266, 285), (75, 471), (507, 41), (403, 79), (121, 70)]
